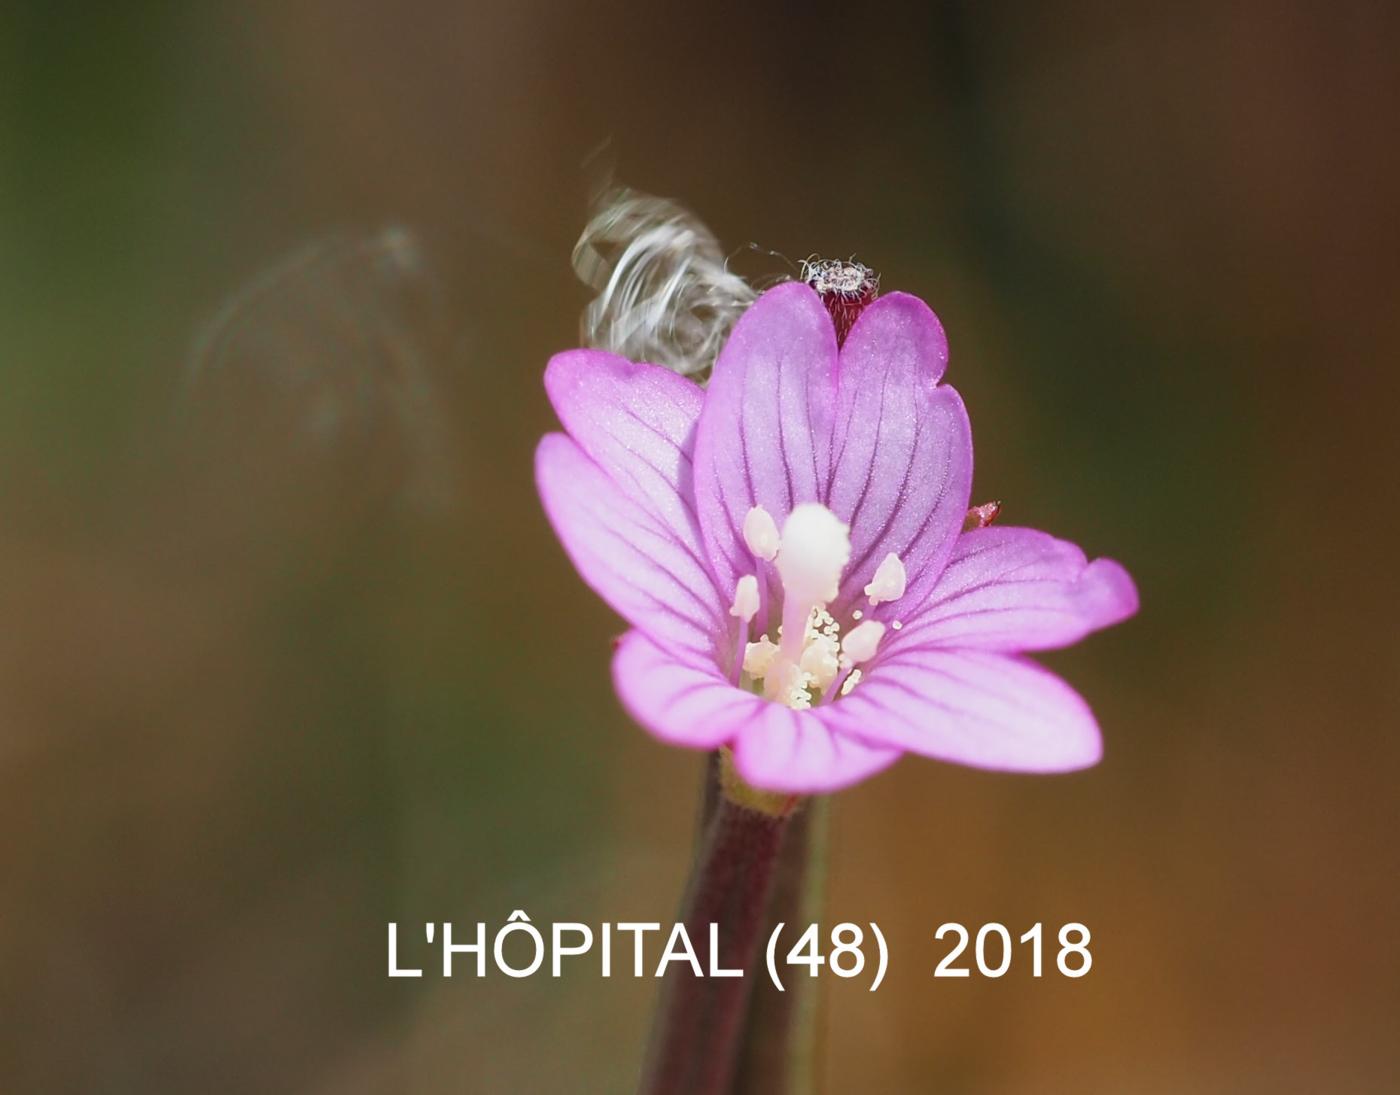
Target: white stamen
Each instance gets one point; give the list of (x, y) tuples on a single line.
[(745, 598), (857, 614), (761, 533), (786, 683), (897, 624), (815, 546), (809, 659), (889, 581), (861, 642), (758, 657), (820, 660)]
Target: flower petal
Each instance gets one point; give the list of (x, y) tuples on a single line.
[(685, 701), (902, 455), (679, 700), (1015, 589), (764, 434), (801, 752), (971, 707), (636, 422), (649, 576)]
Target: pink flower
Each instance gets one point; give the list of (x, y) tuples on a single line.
[(787, 547)]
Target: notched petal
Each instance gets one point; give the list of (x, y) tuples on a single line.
[(975, 708), (799, 752), (636, 422), (1018, 589), (764, 436), (642, 569), (679, 700)]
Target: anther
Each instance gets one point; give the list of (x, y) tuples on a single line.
[(861, 642), (758, 657), (745, 598), (889, 581), (820, 661), (761, 533)]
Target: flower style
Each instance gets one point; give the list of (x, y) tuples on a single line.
[(787, 547)]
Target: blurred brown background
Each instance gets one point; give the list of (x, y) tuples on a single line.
[(315, 662)]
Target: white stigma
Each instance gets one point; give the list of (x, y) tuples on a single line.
[(815, 546), (861, 642), (761, 533), (889, 581), (745, 598)]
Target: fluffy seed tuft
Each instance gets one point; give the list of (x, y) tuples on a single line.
[(665, 292)]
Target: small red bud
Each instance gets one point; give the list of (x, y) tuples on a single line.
[(981, 516)]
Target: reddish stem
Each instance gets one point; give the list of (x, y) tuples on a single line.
[(778, 1051), (696, 1033)]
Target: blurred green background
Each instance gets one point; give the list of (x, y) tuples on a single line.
[(260, 695)]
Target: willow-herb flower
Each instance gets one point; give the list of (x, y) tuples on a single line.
[(788, 548)]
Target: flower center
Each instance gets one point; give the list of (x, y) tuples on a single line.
[(811, 661)]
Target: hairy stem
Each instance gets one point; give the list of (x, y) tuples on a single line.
[(777, 1055), (699, 1020)]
